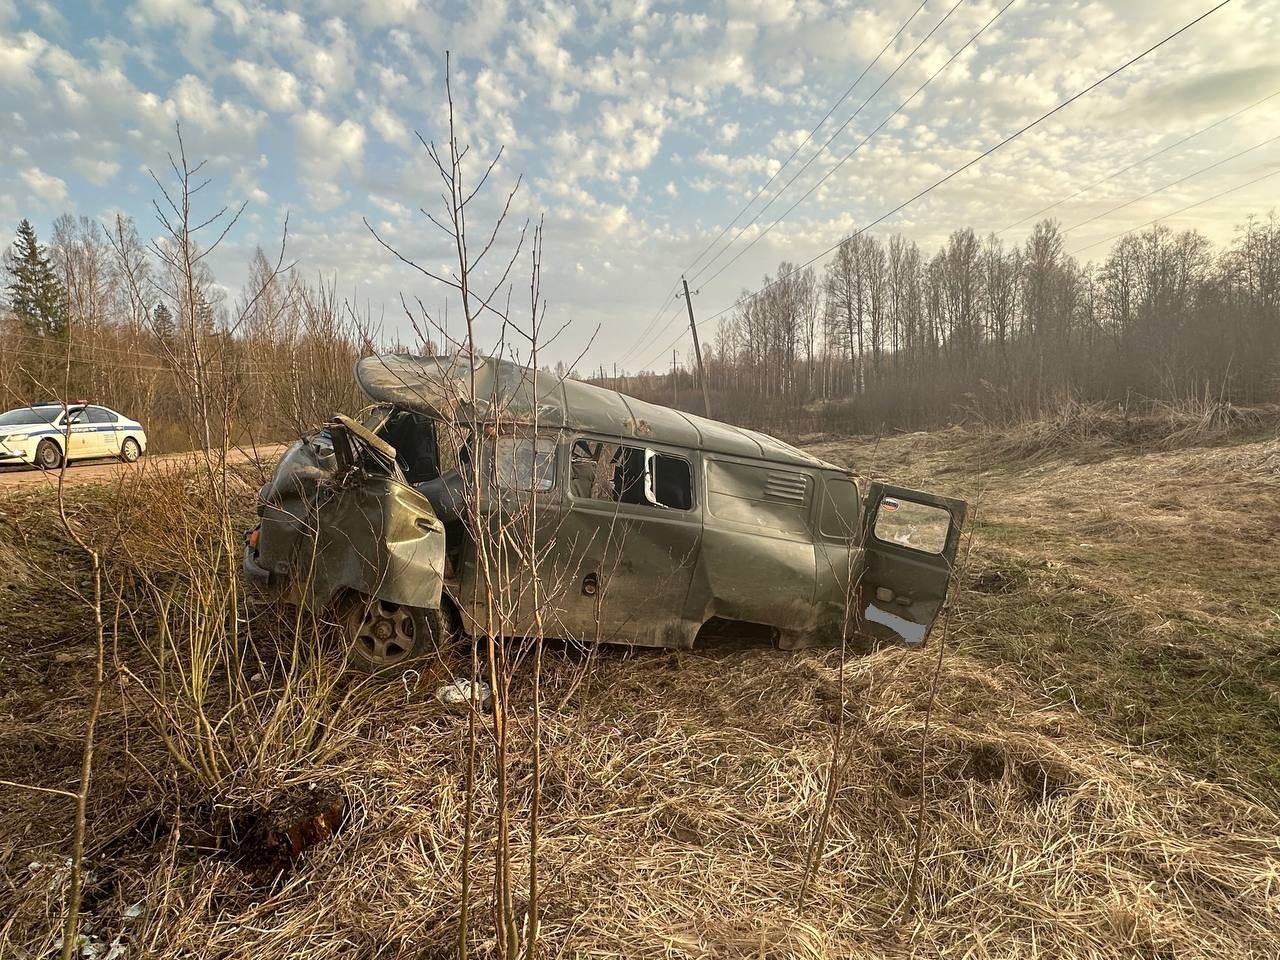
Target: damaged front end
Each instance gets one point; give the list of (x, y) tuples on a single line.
[(340, 529)]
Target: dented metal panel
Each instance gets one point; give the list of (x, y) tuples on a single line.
[(322, 533), (506, 392)]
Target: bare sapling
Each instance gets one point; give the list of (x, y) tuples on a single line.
[(954, 579), (505, 455)]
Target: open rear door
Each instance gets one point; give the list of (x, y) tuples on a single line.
[(911, 539)]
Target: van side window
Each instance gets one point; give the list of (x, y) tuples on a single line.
[(761, 496), (619, 473), (525, 463), (838, 518)]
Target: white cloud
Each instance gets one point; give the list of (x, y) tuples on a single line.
[(51, 17), (18, 56), (330, 66), (563, 101), (391, 81), (276, 89), (185, 13), (381, 13), (398, 210), (195, 25), (748, 165), (194, 102), (325, 150), (389, 126), (542, 34), (728, 132), (96, 170), (47, 187)]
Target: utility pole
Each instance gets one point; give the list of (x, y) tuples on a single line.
[(675, 384), (697, 350)]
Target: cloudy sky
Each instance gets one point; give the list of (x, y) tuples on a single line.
[(640, 130)]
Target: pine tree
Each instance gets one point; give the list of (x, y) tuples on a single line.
[(36, 295), (162, 324)]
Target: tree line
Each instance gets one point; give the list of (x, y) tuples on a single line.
[(887, 335), (99, 314), (884, 336)]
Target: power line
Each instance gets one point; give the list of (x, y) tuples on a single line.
[(56, 359), (839, 130), (859, 146), (667, 298), (1174, 183), (679, 336), (892, 40), (675, 315), (98, 348), (980, 157), (1138, 163), (1178, 212)]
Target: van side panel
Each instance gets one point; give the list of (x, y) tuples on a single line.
[(837, 528), (621, 572), (758, 561)]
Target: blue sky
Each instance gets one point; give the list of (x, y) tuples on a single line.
[(640, 129)]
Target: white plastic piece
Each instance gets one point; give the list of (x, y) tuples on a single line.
[(912, 633), (461, 692)]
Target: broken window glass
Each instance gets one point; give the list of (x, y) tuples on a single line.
[(624, 474), (525, 463)]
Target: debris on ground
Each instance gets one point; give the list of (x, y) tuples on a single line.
[(460, 693), (274, 839)]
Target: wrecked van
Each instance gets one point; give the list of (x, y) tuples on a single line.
[(653, 527)]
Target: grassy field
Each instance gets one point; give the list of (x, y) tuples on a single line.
[(1101, 778)]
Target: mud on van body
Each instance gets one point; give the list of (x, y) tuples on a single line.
[(652, 523)]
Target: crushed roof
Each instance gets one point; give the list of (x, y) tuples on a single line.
[(508, 392)]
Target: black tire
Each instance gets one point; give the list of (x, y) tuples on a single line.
[(130, 451), (384, 639), (48, 455)]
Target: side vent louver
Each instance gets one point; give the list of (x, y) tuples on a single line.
[(786, 486)]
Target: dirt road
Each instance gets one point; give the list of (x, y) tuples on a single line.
[(106, 471)]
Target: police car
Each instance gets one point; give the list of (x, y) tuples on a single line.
[(44, 435)]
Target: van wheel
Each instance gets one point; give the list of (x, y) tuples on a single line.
[(48, 455), (130, 451), (384, 639)]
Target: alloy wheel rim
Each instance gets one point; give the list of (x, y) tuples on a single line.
[(383, 631)]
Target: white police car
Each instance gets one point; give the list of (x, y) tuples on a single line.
[(46, 434)]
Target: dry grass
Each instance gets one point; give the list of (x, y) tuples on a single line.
[(1141, 587), (1095, 429), (681, 793), (680, 804)]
